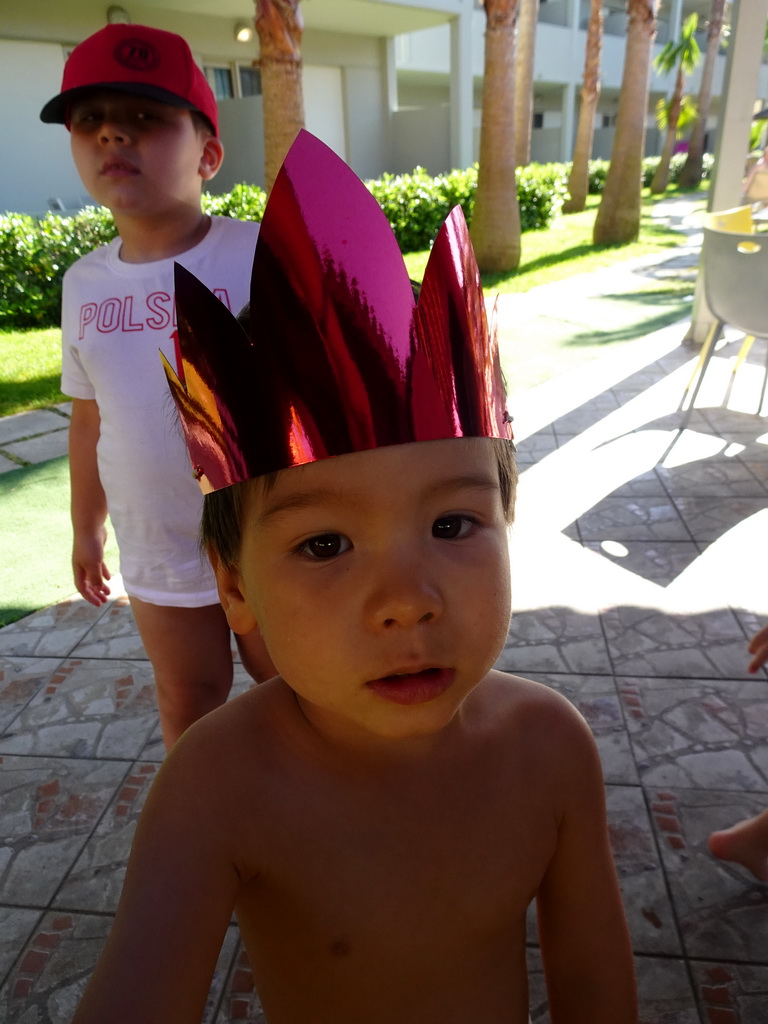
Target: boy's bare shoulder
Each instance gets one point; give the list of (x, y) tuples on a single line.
[(530, 732), (535, 714), (231, 745), (246, 724), (511, 694)]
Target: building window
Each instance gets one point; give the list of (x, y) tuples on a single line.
[(250, 80), (220, 80), (538, 120), (233, 81), (606, 121)]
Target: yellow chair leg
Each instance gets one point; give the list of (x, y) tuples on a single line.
[(746, 345), (703, 355)]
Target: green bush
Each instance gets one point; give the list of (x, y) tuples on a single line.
[(650, 163), (244, 202), (416, 204), (35, 252), (541, 191), (598, 172), (676, 165)]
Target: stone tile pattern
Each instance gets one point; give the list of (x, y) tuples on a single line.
[(647, 575), (30, 437)]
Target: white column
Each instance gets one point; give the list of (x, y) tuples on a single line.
[(390, 74), (675, 20), (389, 68), (575, 78), (675, 28), (740, 85), (742, 72), (461, 87)]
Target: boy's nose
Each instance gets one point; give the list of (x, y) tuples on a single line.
[(113, 131), (406, 597)]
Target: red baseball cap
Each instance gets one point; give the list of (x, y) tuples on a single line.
[(135, 59)]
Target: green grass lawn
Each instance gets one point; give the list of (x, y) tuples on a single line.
[(566, 248), (30, 361), (30, 369)]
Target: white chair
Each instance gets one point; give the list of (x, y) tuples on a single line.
[(735, 269), (737, 219)]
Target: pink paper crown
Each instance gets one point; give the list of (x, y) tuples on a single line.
[(341, 358)]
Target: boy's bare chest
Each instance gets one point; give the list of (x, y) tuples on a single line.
[(448, 864)]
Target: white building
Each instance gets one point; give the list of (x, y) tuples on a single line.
[(389, 84), (347, 88), (422, 61)]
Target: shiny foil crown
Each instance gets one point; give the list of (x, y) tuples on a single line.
[(340, 358)]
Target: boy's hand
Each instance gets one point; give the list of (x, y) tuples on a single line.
[(89, 568), (758, 646)]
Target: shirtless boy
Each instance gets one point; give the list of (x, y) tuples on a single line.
[(381, 813)]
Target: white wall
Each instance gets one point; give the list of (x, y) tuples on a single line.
[(324, 106), (37, 164), (368, 123), (241, 126), (421, 137), (423, 61), (559, 58)]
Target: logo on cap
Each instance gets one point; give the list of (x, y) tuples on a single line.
[(137, 54)]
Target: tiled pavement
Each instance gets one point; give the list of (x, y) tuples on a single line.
[(639, 572)]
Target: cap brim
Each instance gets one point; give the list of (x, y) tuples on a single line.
[(55, 110)]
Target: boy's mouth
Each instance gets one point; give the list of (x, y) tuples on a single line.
[(414, 686), (117, 168)]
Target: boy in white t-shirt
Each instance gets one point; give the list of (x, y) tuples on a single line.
[(144, 136)]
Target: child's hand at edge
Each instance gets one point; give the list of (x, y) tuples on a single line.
[(89, 569), (758, 646)]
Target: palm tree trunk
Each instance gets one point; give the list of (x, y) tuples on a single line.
[(578, 180), (692, 170), (661, 175), (618, 216), (496, 217), (524, 54), (279, 26)]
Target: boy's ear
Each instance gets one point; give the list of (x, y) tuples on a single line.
[(229, 585), (212, 156)]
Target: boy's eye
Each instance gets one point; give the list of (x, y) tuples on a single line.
[(83, 116), (325, 545), (452, 527)]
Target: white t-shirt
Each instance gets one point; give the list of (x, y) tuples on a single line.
[(115, 317)]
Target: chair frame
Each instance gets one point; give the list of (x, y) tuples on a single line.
[(745, 245)]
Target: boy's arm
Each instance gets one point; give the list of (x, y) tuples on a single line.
[(88, 503), (583, 933), (176, 903)]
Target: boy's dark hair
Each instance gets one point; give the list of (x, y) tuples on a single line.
[(202, 125), (222, 520)]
